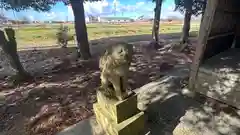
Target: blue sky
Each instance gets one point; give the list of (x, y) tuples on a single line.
[(126, 8)]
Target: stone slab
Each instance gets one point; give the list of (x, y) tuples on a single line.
[(206, 120), (219, 77), (132, 126), (119, 110), (86, 127)]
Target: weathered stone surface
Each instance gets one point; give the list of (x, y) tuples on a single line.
[(132, 126), (85, 127), (219, 77), (162, 89), (118, 110), (184, 129), (206, 121)]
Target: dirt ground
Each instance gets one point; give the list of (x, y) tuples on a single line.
[(63, 94)]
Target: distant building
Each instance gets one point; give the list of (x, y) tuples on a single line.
[(47, 21), (115, 19), (99, 19), (87, 20)]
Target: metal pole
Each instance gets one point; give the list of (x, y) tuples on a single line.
[(115, 7)]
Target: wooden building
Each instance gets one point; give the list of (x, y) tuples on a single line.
[(215, 71)]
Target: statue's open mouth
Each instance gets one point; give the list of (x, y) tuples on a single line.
[(110, 85)]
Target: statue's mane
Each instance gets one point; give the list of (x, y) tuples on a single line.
[(108, 62)]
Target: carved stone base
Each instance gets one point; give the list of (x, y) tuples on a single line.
[(119, 117)]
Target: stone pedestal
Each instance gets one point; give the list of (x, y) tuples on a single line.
[(119, 117)]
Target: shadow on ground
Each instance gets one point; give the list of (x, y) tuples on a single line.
[(170, 111), (63, 91)]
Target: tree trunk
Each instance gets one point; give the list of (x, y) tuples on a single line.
[(10, 49), (155, 30), (80, 28), (186, 25)]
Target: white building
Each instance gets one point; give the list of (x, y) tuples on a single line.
[(87, 19), (115, 19), (99, 19)]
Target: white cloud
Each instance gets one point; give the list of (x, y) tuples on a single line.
[(60, 16), (50, 15), (171, 8), (169, 11), (106, 8), (31, 18), (103, 8), (140, 3), (138, 8), (132, 8), (92, 8)]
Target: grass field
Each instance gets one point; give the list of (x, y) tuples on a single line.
[(45, 35)]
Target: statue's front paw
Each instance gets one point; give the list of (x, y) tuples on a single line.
[(122, 97), (125, 95)]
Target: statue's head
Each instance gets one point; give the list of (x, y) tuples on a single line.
[(120, 51)]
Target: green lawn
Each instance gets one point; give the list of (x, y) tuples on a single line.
[(44, 35)]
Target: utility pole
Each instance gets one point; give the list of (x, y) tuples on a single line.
[(115, 7)]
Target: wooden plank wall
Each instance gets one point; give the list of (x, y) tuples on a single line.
[(223, 28), (216, 33)]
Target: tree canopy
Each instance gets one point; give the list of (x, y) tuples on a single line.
[(37, 5), (40, 5), (197, 6)]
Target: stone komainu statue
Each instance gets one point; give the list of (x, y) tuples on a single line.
[(114, 66), (62, 36)]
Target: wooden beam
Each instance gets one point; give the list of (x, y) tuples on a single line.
[(221, 35), (228, 6), (228, 11), (204, 32)]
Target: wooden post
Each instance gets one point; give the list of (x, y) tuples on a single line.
[(204, 32)]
